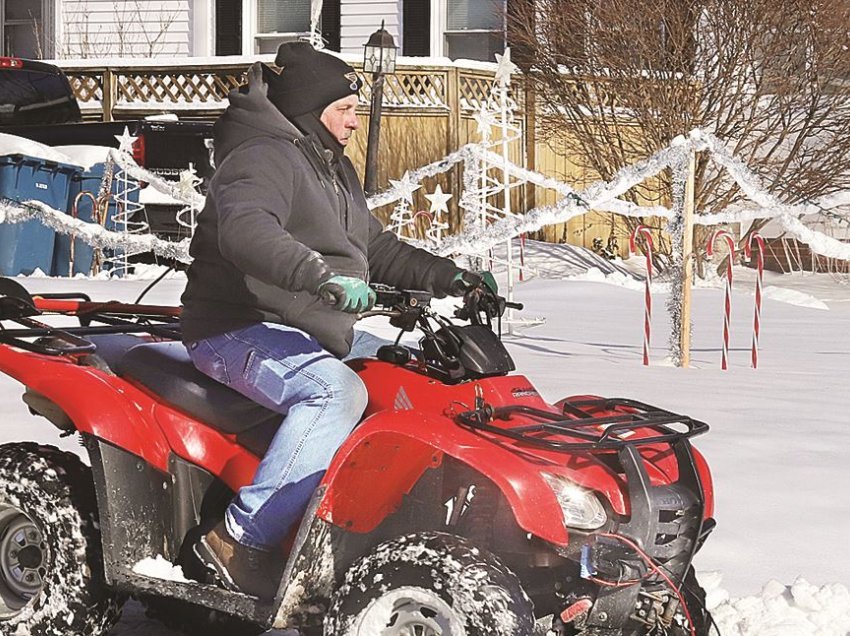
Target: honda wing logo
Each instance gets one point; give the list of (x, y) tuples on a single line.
[(402, 401)]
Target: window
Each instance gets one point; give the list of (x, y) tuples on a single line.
[(27, 28), (475, 29), (281, 22), (228, 27), (416, 32)]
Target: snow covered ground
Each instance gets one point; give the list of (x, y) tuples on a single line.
[(776, 565)]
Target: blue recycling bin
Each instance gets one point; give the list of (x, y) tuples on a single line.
[(27, 246), (87, 182)]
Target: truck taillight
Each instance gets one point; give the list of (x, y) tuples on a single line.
[(139, 150), (10, 62)]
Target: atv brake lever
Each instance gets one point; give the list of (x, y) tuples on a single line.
[(390, 313)]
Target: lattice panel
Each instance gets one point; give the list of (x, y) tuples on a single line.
[(87, 88), (418, 89), (174, 88), (474, 91)]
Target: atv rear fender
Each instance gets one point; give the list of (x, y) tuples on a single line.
[(388, 453), (99, 405)]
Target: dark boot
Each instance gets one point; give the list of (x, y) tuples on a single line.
[(240, 568)]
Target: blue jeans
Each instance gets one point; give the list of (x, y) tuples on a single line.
[(322, 399)]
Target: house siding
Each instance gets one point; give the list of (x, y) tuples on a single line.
[(131, 28), (360, 19)]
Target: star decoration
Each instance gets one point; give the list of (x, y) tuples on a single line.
[(188, 180), (406, 187), (486, 120), (125, 141), (505, 68), (439, 200)]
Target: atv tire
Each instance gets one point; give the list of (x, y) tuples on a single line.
[(51, 563), (433, 584)]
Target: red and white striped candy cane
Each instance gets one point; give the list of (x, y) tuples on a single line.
[(647, 314), (730, 242), (748, 252)]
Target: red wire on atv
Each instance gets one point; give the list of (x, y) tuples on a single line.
[(655, 568)]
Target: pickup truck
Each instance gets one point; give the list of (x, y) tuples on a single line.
[(37, 103)]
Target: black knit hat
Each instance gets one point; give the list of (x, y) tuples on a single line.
[(309, 80)]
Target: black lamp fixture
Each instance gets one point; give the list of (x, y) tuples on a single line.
[(379, 58)]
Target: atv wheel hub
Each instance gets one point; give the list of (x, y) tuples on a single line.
[(23, 559), (409, 612)]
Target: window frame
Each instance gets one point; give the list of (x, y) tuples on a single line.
[(251, 36), (443, 32), (48, 29)]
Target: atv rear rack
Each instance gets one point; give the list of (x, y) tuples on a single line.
[(18, 306), (594, 432)]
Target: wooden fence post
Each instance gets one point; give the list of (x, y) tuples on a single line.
[(688, 263), (453, 143), (108, 91)]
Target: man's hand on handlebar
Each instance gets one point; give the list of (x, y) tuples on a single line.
[(481, 300), (347, 293), (467, 281)]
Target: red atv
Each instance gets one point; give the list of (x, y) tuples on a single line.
[(463, 505)]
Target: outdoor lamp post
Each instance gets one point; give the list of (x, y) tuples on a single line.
[(378, 59)]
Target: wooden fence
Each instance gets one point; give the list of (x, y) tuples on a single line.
[(427, 114)]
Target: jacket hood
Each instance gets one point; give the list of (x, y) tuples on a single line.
[(249, 115)]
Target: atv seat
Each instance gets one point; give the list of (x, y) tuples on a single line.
[(166, 369)]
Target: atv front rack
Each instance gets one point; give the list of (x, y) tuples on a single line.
[(592, 432)]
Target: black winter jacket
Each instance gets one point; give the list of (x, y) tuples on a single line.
[(280, 217)]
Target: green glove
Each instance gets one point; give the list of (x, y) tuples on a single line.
[(347, 294), (466, 281)]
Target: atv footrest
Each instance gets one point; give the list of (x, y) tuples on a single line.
[(234, 603)]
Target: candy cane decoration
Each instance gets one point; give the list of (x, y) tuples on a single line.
[(647, 314), (730, 242), (425, 214), (748, 252)]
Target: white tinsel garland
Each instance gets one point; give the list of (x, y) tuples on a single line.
[(599, 196), (91, 233), (172, 188)]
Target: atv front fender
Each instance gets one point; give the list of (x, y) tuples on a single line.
[(388, 453)]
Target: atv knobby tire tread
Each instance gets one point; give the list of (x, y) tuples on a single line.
[(55, 490), (484, 594)]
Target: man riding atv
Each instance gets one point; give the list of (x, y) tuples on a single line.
[(463, 503), (283, 253)]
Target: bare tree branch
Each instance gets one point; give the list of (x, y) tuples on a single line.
[(619, 79)]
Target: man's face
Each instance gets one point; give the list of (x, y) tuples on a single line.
[(340, 118)]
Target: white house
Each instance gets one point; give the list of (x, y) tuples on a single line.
[(473, 29)]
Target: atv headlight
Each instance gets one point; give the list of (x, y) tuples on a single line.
[(581, 507)]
